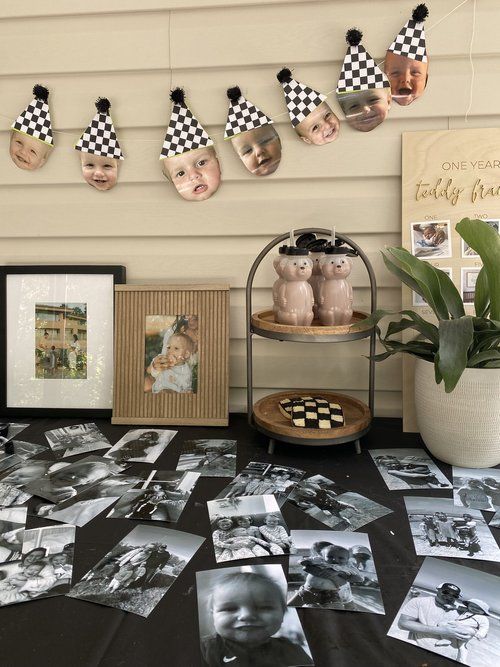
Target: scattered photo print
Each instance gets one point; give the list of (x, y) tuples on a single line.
[(365, 110), (248, 527), (440, 528), (12, 524), (408, 469), (171, 353), (73, 479), (407, 76), (11, 496), (453, 611), (209, 458), (139, 570), (469, 278), (495, 522), (20, 449), (195, 174), (7, 462), (259, 149), (9, 430), (333, 505), (333, 570), (258, 479), (431, 240), (275, 635), (162, 496), (419, 300), (477, 488), (140, 444), (61, 341), (76, 439), (30, 471), (467, 251)]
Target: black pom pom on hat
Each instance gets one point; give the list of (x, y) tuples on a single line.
[(41, 93), (420, 13), (103, 105), (177, 96), (234, 94), (354, 36), (284, 75)]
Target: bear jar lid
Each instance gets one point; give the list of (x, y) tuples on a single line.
[(293, 250)]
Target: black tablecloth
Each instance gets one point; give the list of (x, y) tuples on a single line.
[(64, 631)]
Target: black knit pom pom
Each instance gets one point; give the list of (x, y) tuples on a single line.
[(284, 75), (103, 105), (420, 13), (354, 36), (177, 96), (40, 93), (234, 94)]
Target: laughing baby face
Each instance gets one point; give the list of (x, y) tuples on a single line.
[(98, 171)]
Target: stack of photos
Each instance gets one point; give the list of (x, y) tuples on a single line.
[(45, 568), (77, 439), (477, 489), (139, 570), (333, 505), (243, 618), (162, 496), (453, 611), (440, 528), (404, 469), (333, 570), (12, 486), (248, 527), (11, 432), (73, 479), (12, 524), (258, 479), (209, 458), (141, 444)]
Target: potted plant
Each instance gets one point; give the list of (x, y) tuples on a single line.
[(457, 370)]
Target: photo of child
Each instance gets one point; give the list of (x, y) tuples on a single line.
[(12, 523), (320, 127), (365, 110), (141, 444), (26, 152), (408, 77), (31, 140), (99, 171), (195, 174), (76, 439), (209, 458), (61, 341), (259, 150), (431, 240), (257, 479)]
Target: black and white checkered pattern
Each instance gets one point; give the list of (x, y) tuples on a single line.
[(360, 72), (100, 138), (184, 133), (35, 121), (411, 42), (244, 116), (300, 100), (317, 412)]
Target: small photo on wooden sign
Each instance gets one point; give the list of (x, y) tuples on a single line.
[(431, 240), (468, 284)]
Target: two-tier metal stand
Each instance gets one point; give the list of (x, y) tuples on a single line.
[(265, 414)]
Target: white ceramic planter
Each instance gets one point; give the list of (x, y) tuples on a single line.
[(461, 428)]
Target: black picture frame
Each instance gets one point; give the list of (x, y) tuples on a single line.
[(119, 277)]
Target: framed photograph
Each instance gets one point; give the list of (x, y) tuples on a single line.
[(56, 340), (171, 354), (469, 277), (431, 240)]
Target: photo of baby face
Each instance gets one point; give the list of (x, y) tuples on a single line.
[(407, 77), (27, 152), (98, 171), (366, 109), (195, 175), (259, 150), (320, 127)]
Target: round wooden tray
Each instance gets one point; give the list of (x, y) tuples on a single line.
[(268, 419), (263, 324)]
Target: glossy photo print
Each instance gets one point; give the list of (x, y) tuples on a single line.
[(431, 240), (209, 458), (408, 469), (140, 445), (61, 341)]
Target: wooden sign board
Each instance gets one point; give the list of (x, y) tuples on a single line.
[(446, 176)]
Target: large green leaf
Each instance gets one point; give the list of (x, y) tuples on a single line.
[(481, 357), (405, 277), (449, 293), (482, 294), (455, 338)]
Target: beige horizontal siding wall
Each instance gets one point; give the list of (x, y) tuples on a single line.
[(132, 52)]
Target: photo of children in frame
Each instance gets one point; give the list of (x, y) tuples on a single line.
[(431, 240), (171, 354), (61, 341), (468, 284), (467, 251)]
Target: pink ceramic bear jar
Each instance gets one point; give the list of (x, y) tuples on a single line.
[(335, 298), (295, 294), (316, 252), (277, 283)]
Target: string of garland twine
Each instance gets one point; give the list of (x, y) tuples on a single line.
[(328, 94)]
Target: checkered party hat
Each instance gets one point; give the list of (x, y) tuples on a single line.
[(184, 132), (359, 71), (35, 119), (411, 40), (242, 115), (300, 99), (100, 136)]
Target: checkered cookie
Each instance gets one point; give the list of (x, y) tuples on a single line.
[(285, 405), (317, 414)]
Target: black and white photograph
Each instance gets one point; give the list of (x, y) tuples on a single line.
[(45, 568), (209, 458), (12, 524), (10, 496), (404, 469), (477, 488), (495, 522), (467, 251), (440, 528), (139, 570), (76, 439), (243, 618), (333, 570), (334, 506), (454, 611), (141, 444), (9, 430), (258, 479), (162, 496), (431, 240), (16, 451), (248, 527), (30, 471), (73, 479)]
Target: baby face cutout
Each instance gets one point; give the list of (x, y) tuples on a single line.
[(365, 109), (320, 127), (98, 171), (408, 77), (27, 152), (195, 174), (259, 150)]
